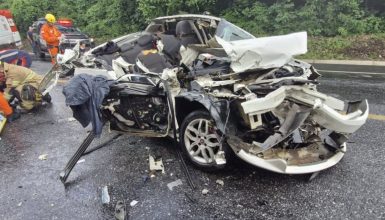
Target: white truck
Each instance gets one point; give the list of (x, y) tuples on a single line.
[(9, 35)]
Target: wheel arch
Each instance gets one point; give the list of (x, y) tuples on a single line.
[(188, 102)]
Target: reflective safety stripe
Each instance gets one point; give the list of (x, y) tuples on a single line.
[(9, 54), (15, 83)]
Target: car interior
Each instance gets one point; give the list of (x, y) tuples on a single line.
[(167, 36)]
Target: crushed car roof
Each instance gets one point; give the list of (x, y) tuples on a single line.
[(264, 52), (208, 17)]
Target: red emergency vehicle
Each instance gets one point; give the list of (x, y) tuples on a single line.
[(9, 35), (65, 22)]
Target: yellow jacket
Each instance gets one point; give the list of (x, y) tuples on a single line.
[(17, 75)]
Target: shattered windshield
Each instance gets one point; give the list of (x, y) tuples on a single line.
[(229, 32)]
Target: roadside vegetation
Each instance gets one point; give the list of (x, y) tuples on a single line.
[(338, 29)]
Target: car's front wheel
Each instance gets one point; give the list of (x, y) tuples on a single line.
[(200, 142)]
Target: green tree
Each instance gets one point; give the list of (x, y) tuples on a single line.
[(27, 11), (155, 8)]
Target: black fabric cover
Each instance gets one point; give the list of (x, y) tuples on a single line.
[(154, 62), (171, 48), (110, 48), (144, 42), (84, 94)]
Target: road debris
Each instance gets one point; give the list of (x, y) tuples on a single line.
[(145, 178), (20, 203), (262, 202), (171, 185), (156, 165), (105, 195), (220, 182), (136, 142), (43, 157), (189, 197), (205, 191), (120, 210), (133, 203), (71, 119), (81, 161), (313, 175)]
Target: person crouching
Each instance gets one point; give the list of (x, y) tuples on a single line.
[(21, 83)]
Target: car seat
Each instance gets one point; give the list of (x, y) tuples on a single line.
[(186, 34)]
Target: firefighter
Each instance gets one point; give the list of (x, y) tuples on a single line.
[(21, 83), (7, 110), (51, 35)]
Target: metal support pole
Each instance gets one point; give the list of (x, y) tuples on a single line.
[(74, 159)]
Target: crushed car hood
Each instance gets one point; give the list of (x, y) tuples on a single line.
[(264, 52)]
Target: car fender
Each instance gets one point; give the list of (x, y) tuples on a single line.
[(188, 102)]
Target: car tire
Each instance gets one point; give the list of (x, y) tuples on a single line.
[(39, 53), (199, 141)]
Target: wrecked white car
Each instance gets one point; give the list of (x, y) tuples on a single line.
[(219, 91)]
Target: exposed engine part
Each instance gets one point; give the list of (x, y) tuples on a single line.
[(146, 112)]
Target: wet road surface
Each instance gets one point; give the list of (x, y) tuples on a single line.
[(30, 187)]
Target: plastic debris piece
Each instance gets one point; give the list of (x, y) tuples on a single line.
[(81, 161), (205, 191), (20, 203), (171, 185), (220, 182), (43, 157), (156, 165), (133, 203), (105, 195), (120, 210), (66, 120)]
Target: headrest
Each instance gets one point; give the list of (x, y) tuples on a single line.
[(145, 40), (183, 28)]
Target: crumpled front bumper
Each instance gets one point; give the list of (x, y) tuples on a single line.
[(325, 109), (281, 166)]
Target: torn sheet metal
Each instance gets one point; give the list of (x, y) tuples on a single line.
[(324, 108), (295, 118), (264, 52), (217, 108)]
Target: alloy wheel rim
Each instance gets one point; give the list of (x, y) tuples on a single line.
[(201, 141)]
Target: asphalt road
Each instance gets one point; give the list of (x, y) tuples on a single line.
[(30, 188)]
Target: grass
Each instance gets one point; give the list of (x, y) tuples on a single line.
[(360, 47)]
